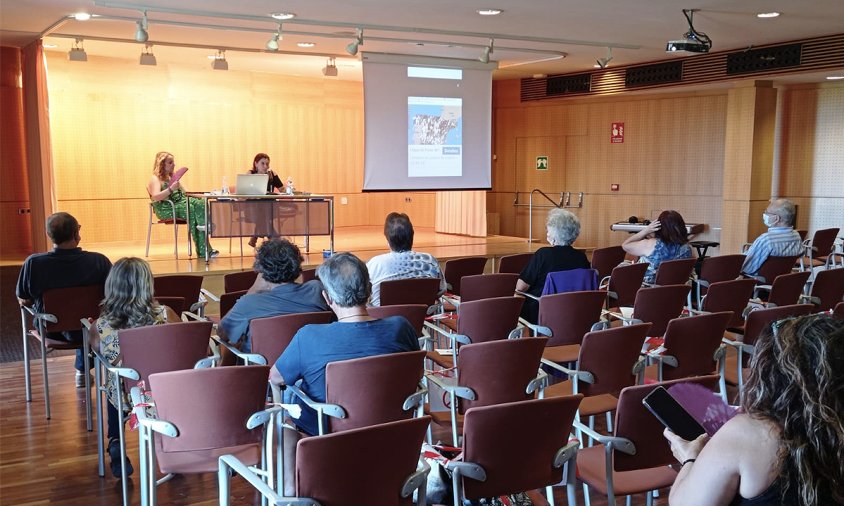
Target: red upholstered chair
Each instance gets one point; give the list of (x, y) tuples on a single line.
[(754, 325), (565, 318), (715, 270), (514, 263), (785, 290), (773, 267), (414, 313), (659, 305), (367, 391), (145, 351), (270, 336), (485, 286), (308, 275), (410, 291), (838, 312), (635, 458), (478, 321), (827, 290), (177, 304), (490, 373), (624, 282), (674, 272), (329, 469), (237, 281), (454, 270), (62, 311), (819, 249), (187, 286), (172, 221), (202, 414), (604, 260), (729, 296), (495, 461)]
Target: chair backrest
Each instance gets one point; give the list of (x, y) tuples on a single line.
[(693, 342), (759, 319), (69, 305), (823, 241), (803, 234), (570, 315), (457, 268), (414, 313), (829, 288), (604, 260), (484, 286), (515, 464), (410, 291), (514, 263), (775, 266), (659, 305), (210, 407), (572, 280), (634, 422), (329, 468), (674, 272), (372, 389), (228, 300), (178, 285), (787, 288), (177, 304), (625, 281), (308, 274), (237, 281), (610, 356), (499, 371), (721, 268), (729, 296), (270, 336), (164, 348), (489, 319), (838, 311)]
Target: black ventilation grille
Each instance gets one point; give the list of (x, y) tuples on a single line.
[(760, 60), (566, 85), (649, 75)]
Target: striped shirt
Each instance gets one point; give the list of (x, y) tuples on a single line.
[(777, 242)]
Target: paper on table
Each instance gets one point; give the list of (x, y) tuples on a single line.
[(178, 175)]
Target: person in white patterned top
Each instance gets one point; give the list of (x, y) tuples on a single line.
[(781, 240), (401, 262)]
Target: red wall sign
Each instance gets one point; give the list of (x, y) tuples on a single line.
[(617, 133)]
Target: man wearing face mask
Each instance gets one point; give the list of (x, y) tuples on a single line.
[(781, 240)]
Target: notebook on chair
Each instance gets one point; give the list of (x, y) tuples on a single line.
[(252, 184)]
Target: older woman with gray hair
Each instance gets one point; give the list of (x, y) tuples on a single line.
[(562, 228)]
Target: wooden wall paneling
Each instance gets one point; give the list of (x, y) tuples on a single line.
[(461, 212), (550, 181), (509, 122)]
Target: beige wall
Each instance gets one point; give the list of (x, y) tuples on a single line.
[(109, 118)]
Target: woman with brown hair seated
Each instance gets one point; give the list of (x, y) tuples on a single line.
[(661, 240)]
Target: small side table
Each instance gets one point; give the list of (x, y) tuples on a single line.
[(703, 246)]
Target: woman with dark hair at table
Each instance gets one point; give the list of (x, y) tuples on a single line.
[(787, 446), (261, 165), (661, 240)]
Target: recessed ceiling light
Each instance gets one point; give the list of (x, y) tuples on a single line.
[(489, 12), (212, 56), (767, 14), (283, 15), (82, 16), (305, 44), (835, 78), (50, 46)]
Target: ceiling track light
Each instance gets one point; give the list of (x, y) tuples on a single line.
[(141, 33), (77, 52), (489, 49), (353, 46), (603, 62), (219, 62), (147, 58), (272, 44), (693, 41), (330, 69)]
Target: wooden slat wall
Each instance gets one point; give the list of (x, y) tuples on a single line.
[(110, 117)]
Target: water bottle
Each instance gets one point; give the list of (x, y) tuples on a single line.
[(290, 185), (225, 189)]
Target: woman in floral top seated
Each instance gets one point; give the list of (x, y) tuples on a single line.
[(661, 240), (128, 304)]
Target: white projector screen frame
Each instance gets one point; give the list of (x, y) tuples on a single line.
[(398, 156)]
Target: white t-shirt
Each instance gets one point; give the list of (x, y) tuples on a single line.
[(401, 265)]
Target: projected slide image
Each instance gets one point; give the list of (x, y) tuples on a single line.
[(434, 136)]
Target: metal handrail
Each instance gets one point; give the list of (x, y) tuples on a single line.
[(565, 201)]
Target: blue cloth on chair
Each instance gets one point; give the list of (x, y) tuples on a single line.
[(573, 280)]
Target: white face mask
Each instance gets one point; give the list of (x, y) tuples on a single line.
[(767, 219)]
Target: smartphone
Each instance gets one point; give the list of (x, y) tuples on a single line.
[(671, 414)]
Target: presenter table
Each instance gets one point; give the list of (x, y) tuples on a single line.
[(267, 215)]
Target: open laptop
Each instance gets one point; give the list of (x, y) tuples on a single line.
[(252, 184)]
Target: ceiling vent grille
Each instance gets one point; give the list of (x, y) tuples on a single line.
[(648, 75), (760, 60), (567, 85)]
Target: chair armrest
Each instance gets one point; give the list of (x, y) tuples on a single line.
[(160, 426), (47, 317), (525, 294), (621, 444), (604, 283), (191, 316), (460, 338), (584, 376), (536, 329), (454, 302), (739, 345), (810, 299), (229, 463), (665, 359), (565, 454), (761, 288), (466, 469), (263, 417), (538, 383), (416, 480), (204, 363), (451, 387), (333, 410), (123, 372), (209, 295), (720, 352), (248, 358), (415, 399)]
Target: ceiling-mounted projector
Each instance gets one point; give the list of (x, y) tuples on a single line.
[(693, 41)]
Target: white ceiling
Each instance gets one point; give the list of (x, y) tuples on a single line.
[(580, 28)]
